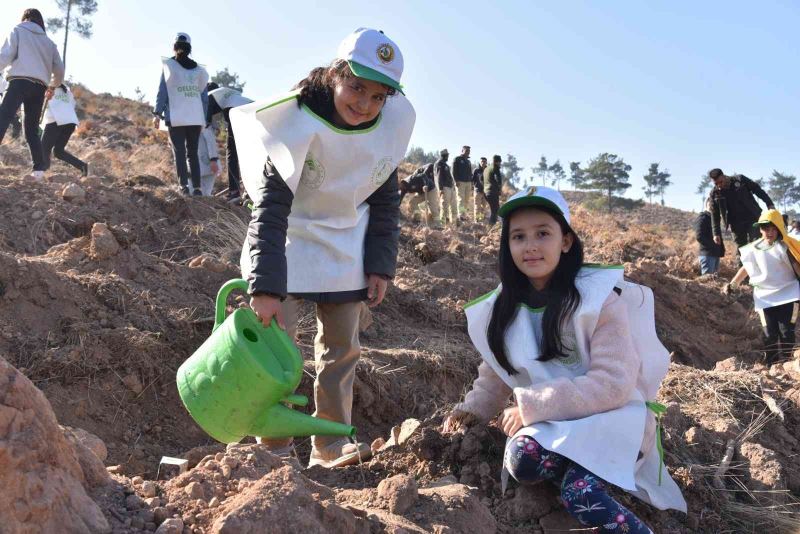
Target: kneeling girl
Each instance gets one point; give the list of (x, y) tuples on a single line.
[(576, 346)]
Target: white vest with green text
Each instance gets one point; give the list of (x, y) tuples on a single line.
[(771, 274), (61, 108), (184, 87)]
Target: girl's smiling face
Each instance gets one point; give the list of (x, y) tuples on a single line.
[(769, 232), (536, 242), (357, 101)]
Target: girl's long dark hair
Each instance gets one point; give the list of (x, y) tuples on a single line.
[(561, 296)]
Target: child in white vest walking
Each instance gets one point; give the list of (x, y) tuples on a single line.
[(575, 346), (182, 102), (772, 265), (60, 121), (320, 165)]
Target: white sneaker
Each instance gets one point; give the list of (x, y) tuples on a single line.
[(39, 175)]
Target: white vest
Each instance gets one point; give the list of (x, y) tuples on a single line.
[(607, 443), (331, 173), (771, 274), (61, 109), (227, 98), (184, 87)]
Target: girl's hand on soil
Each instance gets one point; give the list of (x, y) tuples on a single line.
[(267, 307), (156, 122), (511, 420), (376, 289), (458, 420)]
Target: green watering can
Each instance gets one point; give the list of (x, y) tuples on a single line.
[(235, 384)]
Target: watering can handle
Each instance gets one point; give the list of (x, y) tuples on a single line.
[(222, 297)]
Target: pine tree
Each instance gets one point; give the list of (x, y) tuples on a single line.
[(75, 19)]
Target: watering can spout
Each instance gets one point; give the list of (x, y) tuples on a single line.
[(278, 421)]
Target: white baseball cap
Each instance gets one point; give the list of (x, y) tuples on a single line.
[(545, 197), (183, 37), (373, 56)]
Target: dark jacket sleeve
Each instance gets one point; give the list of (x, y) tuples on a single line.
[(162, 98), (755, 189), (266, 234), (383, 232), (715, 217), (213, 108)]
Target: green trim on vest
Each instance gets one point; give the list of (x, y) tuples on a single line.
[(292, 96), (534, 310), (602, 266), (479, 299), (339, 130)]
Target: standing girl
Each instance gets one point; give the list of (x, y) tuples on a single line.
[(576, 347), (34, 68), (320, 165), (772, 264), (182, 102), (60, 121), (222, 100)]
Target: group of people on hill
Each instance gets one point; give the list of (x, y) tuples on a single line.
[(768, 251), (34, 80), (193, 109), (458, 194), (572, 345)]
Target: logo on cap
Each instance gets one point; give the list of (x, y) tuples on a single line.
[(531, 191), (385, 53)]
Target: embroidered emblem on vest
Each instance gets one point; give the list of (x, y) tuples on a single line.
[(313, 174), (382, 171)]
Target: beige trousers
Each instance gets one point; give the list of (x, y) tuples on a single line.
[(336, 353), (466, 200), (432, 198), (449, 205), (480, 207)]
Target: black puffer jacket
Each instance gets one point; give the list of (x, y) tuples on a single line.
[(704, 236), (462, 169), (736, 206)]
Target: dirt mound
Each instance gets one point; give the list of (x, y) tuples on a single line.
[(107, 285), (44, 475)]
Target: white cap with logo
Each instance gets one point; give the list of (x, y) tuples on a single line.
[(183, 38), (545, 197), (373, 56)]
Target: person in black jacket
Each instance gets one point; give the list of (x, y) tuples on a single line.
[(480, 196), (734, 203), (462, 173), (447, 190), (710, 252), (493, 184), (423, 186)]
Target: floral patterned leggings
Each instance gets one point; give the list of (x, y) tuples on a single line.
[(582, 493)]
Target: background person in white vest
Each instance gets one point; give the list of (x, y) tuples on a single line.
[(208, 155), (182, 102), (222, 100), (772, 265), (575, 348), (325, 224), (33, 67), (60, 121)]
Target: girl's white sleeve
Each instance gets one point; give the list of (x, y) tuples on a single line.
[(211, 143), (612, 375), (489, 394)]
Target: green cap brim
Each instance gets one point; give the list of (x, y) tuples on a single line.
[(371, 74), (511, 205)]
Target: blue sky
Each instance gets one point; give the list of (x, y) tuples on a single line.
[(692, 85)]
